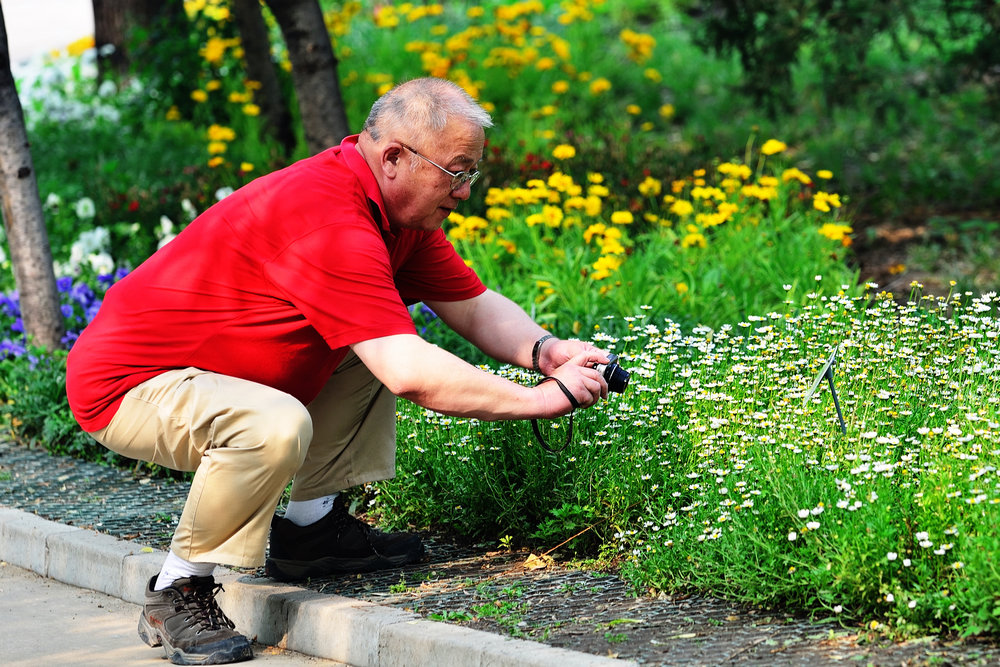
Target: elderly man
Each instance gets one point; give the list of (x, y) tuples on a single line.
[(269, 341)]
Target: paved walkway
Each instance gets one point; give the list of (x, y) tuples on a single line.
[(46, 622)]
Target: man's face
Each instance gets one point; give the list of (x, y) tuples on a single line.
[(421, 197)]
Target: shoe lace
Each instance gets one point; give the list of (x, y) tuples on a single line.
[(203, 609), (343, 520)]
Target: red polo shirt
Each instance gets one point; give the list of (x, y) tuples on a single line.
[(271, 285)]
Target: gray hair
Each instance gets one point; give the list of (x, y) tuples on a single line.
[(424, 105)]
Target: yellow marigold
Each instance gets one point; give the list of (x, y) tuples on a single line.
[(834, 231), (740, 171), (667, 111), (214, 50), (599, 86), (702, 192), (596, 229), (682, 208), (246, 167), (694, 239), (822, 201), (768, 182), (560, 87), (173, 113), (682, 288), (220, 133), (653, 74), (553, 216), (496, 213), (593, 206), (772, 147), (598, 191), (825, 174), (216, 147), (475, 12), (759, 192), (251, 109), (650, 187), (507, 245), (633, 109), (794, 174), (81, 45), (544, 64), (563, 152), (610, 245), (238, 98), (622, 218), (594, 177), (215, 161), (199, 95), (605, 265)]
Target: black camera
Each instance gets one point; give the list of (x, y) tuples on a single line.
[(616, 376)]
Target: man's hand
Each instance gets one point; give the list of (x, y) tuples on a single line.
[(555, 352), (578, 376)]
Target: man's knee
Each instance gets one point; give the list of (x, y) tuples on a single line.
[(280, 435)]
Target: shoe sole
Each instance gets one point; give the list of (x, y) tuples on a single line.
[(222, 653), (296, 570)]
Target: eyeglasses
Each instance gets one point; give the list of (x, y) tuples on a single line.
[(458, 178)]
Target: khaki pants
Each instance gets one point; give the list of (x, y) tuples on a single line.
[(246, 441)]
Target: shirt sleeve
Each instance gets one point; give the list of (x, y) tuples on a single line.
[(435, 272)]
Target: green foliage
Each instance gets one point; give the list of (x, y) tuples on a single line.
[(34, 408), (843, 37)]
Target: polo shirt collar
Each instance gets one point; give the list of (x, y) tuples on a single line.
[(356, 162)]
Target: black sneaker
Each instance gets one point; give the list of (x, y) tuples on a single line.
[(187, 621), (336, 544)]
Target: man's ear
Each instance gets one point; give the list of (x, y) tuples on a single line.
[(390, 159)]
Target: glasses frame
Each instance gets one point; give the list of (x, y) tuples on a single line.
[(458, 178)]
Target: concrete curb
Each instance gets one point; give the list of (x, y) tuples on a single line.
[(326, 626)]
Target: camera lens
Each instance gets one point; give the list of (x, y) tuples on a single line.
[(616, 376)]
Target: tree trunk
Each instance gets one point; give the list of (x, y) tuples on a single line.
[(114, 21), (260, 68), (23, 219), (314, 71)]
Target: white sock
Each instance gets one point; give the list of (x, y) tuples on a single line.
[(305, 512), (175, 567)]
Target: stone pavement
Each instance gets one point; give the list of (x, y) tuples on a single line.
[(46, 622)]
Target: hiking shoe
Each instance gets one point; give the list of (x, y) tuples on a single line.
[(336, 544), (187, 621)]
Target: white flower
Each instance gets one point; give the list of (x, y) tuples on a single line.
[(911, 604), (189, 210), (812, 525), (906, 562), (803, 514), (889, 597), (837, 609), (892, 555), (222, 193), (921, 536), (85, 209), (792, 536)]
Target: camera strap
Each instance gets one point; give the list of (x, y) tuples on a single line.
[(569, 430)]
